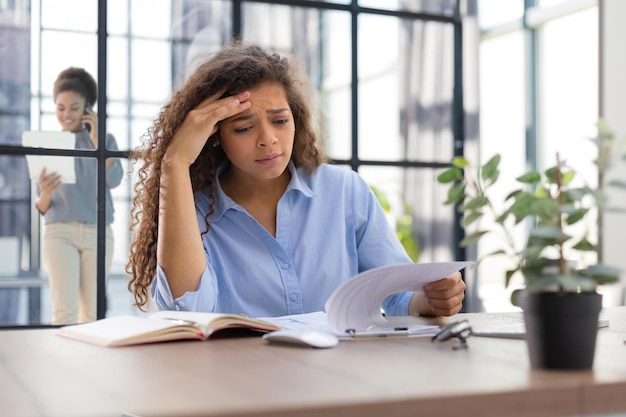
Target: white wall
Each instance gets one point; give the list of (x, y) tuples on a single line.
[(613, 109)]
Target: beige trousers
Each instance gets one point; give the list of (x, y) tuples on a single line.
[(69, 255)]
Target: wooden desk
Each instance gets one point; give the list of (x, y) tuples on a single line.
[(42, 374)]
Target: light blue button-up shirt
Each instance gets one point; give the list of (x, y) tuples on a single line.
[(329, 227)]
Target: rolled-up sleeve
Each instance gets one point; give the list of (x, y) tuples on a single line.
[(198, 300)]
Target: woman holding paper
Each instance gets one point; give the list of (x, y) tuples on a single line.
[(69, 210), (236, 210)]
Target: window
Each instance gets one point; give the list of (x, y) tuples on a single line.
[(387, 74)]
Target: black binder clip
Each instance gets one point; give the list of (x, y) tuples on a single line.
[(459, 329)]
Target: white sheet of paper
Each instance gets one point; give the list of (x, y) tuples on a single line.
[(307, 321), (356, 303), (63, 165), (318, 321)]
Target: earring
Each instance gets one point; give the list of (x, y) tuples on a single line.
[(216, 143)]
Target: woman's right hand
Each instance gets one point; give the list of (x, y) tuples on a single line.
[(202, 122), (50, 182)]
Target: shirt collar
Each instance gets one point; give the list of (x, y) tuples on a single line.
[(224, 202)]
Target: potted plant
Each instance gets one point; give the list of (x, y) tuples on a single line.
[(560, 302)]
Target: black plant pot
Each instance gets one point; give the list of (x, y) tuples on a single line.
[(561, 329)]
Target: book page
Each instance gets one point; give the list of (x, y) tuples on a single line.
[(210, 322), (356, 304), (63, 165), (127, 330)]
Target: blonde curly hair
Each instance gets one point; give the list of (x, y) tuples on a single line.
[(233, 69)]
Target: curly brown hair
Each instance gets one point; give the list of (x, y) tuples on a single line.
[(233, 69)]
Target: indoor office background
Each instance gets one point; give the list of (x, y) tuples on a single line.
[(403, 86)]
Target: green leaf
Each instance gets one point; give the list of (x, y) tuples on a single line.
[(603, 274), (552, 174), (530, 178), (513, 194), (489, 171), (471, 238), (475, 203), (450, 175), (460, 162), (604, 130), (575, 216), (470, 218), (544, 208), (577, 194), (548, 232), (542, 192), (508, 275), (585, 245), (567, 177), (456, 193)]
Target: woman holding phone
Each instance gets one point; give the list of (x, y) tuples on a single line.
[(70, 210)]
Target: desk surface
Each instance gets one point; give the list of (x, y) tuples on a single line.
[(42, 374)]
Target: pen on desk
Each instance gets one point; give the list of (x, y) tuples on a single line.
[(398, 331)]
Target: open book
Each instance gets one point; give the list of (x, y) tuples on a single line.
[(162, 326)]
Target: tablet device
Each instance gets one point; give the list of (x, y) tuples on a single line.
[(63, 165)]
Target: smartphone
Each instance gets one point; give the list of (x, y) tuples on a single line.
[(87, 126)]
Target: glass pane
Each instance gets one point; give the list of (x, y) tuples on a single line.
[(260, 25), (118, 16), (11, 128), (569, 115), (502, 130), (118, 128), (405, 89), (15, 236), (59, 50), (117, 69), (413, 201), (549, 3), (151, 78), (439, 7), (70, 15), (41, 249), (14, 76), (336, 85), (68, 248), (321, 40), (496, 12), (151, 18), (198, 27)]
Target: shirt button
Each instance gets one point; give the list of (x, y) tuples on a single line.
[(285, 266), (177, 307), (294, 297)]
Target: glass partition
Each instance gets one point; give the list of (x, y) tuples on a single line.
[(151, 46)]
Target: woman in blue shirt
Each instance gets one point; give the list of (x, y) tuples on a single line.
[(236, 210), (70, 210)]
